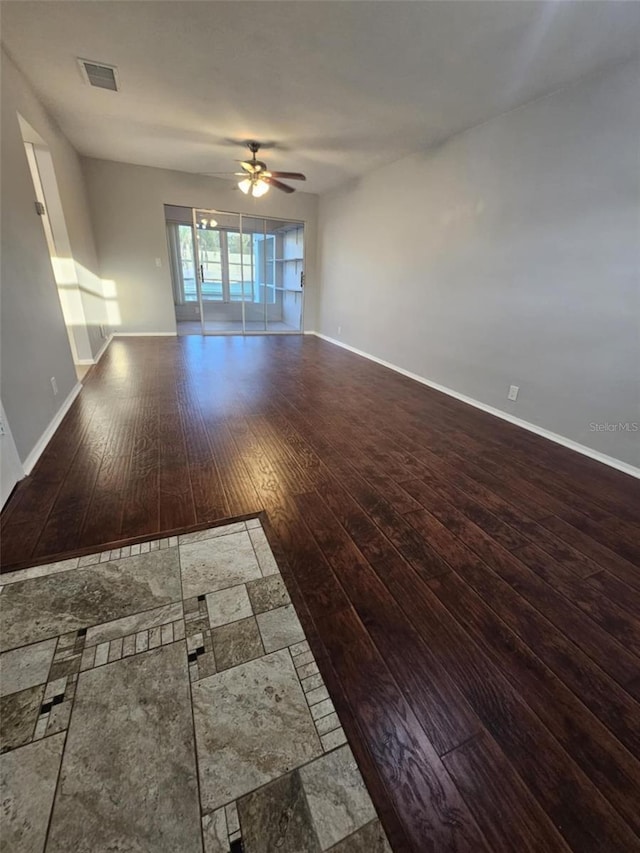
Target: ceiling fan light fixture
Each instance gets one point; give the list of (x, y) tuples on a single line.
[(259, 189), (245, 185)]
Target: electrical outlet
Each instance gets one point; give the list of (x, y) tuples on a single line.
[(2, 429), (339, 330), (158, 262), (513, 392), (54, 385), (103, 331)]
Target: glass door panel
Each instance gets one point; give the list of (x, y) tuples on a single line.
[(241, 269), (217, 237), (288, 290), (255, 318), (184, 281)]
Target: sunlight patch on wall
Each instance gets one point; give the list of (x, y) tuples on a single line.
[(110, 295)]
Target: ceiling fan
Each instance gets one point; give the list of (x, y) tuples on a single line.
[(256, 178)]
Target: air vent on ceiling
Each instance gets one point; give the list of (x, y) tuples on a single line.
[(98, 74)]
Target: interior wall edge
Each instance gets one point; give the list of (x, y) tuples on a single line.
[(102, 349), (98, 355), (563, 440)]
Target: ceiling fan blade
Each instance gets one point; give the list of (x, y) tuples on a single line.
[(277, 184), (248, 167), (292, 176)]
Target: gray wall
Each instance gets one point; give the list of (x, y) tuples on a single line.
[(508, 255), (127, 204), (35, 345)]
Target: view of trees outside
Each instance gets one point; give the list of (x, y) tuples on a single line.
[(240, 259), (239, 249)]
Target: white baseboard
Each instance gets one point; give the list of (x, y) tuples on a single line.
[(144, 334), (47, 435), (611, 461), (314, 333)]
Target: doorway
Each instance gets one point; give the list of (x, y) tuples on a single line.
[(51, 213), (235, 274)]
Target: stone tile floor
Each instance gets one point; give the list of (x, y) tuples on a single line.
[(163, 698)]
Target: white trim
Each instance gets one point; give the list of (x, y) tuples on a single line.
[(101, 352), (626, 467), (102, 349), (311, 332), (47, 435), (145, 334)]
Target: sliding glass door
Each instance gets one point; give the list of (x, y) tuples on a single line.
[(236, 274)]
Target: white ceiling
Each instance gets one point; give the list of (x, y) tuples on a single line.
[(339, 87)]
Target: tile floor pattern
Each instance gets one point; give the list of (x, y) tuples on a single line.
[(163, 697)]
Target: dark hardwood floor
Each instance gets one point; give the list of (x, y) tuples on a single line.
[(472, 591)]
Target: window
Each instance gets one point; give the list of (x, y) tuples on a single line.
[(265, 265), (240, 266), (188, 292), (210, 248), (234, 267)]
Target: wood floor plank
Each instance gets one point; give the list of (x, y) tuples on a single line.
[(241, 496), (608, 531), (479, 514), (605, 611), (561, 788), (422, 791), (608, 700), (176, 504), (209, 498), (593, 639), (600, 755), (441, 710), (600, 554), (611, 588), (103, 519), (390, 522), (485, 777), (19, 541), (65, 521), (140, 511)]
